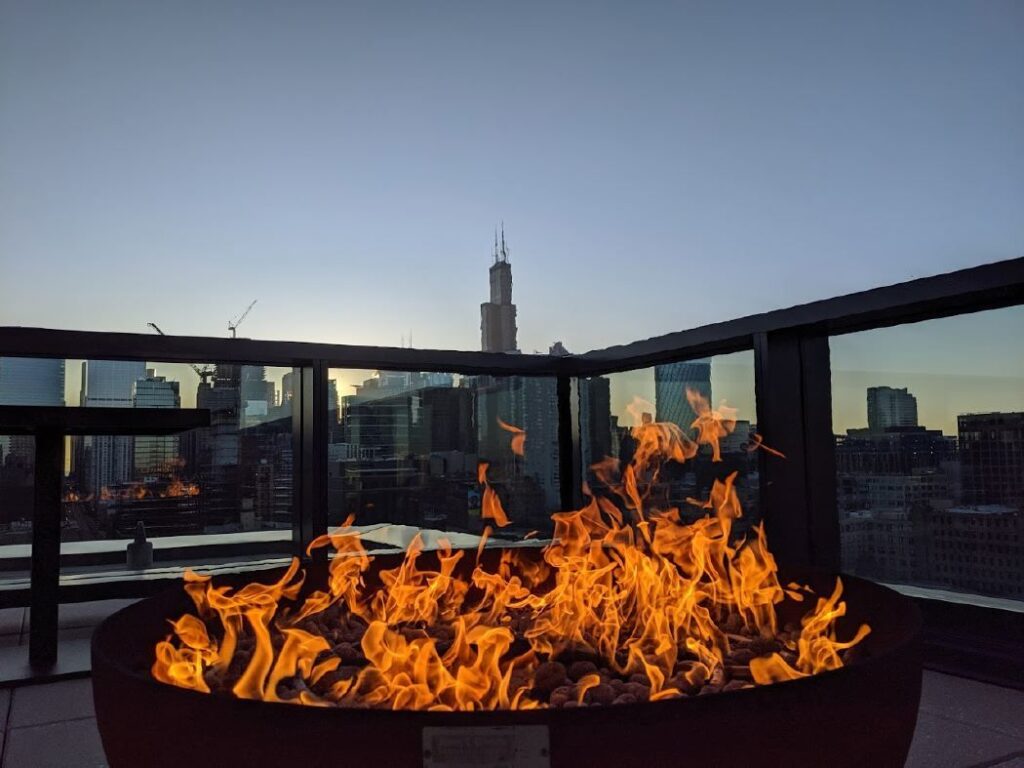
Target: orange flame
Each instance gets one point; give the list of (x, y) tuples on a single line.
[(491, 508), (756, 441), (177, 488), (710, 424), (666, 605), (518, 437)]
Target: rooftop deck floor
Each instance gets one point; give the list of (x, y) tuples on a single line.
[(962, 723)]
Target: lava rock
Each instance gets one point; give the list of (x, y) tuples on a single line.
[(600, 694), (638, 691), (346, 652), (549, 675), (582, 669)]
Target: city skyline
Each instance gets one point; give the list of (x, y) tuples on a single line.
[(859, 361)]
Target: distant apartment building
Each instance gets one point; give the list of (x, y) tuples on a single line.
[(890, 407), (893, 492), (969, 548), (919, 507), (671, 381), (897, 450), (992, 458), (882, 544), (976, 549)]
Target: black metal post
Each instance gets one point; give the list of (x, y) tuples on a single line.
[(569, 458), (794, 415), (820, 450), (309, 440), (49, 470)]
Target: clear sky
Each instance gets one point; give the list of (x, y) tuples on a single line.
[(657, 165)]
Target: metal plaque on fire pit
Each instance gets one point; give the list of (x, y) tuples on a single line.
[(511, 746)]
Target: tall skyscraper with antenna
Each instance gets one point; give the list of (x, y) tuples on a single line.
[(498, 316)]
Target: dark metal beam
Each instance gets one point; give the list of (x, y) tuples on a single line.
[(820, 452), (44, 342), (30, 419), (784, 506), (989, 286)]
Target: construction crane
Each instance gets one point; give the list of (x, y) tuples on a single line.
[(203, 373), (233, 324)]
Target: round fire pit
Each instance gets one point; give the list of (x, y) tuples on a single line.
[(861, 714)]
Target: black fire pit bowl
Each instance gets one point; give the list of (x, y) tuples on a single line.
[(861, 715)]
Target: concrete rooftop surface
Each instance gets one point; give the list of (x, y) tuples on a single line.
[(962, 723)]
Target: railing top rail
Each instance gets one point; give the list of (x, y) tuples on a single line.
[(16, 341), (988, 286)]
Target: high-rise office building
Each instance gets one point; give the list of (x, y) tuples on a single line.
[(498, 316), (671, 380), (890, 407), (109, 460), (258, 395), (992, 458), (29, 381), (539, 406), (333, 410), (595, 419), (110, 383), (156, 455), (218, 450)]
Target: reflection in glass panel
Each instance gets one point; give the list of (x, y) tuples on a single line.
[(229, 483), (405, 448), (614, 406), (929, 423)]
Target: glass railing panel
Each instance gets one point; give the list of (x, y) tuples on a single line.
[(929, 426), (406, 448), (208, 495)]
